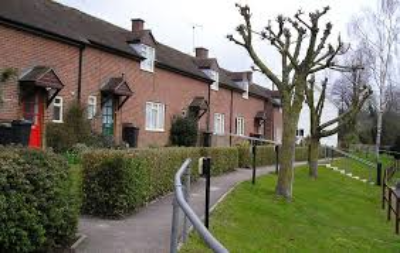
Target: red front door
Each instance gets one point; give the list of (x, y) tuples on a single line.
[(33, 111)]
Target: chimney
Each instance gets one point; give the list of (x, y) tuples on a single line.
[(137, 25), (201, 53)]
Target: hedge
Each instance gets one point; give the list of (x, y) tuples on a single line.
[(117, 182), (223, 159), (38, 211)]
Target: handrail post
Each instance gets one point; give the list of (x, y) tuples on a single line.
[(379, 174), (175, 226), (207, 174), (389, 203), (397, 214), (253, 178), (277, 159), (186, 222)]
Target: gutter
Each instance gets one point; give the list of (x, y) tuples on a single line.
[(184, 73)]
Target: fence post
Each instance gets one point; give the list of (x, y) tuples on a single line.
[(186, 222), (175, 226), (389, 204), (276, 159), (397, 214), (253, 180), (207, 174), (379, 174)]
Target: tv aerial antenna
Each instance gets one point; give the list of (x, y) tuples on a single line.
[(194, 27)]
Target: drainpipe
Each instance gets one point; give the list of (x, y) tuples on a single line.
[(81, 49), (230, 119)]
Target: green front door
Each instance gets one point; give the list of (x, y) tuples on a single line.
[(108, 118)]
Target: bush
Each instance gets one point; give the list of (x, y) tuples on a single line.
[(116, 183), (223, 159), (301, 154), (265, 155), (184, 131), (37, 209), (244, 155), (75, 129)]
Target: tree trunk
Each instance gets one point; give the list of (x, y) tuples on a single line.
[(378, 132), (313, 156), (287, 152)]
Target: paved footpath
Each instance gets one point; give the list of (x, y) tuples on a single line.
[(149, 229)]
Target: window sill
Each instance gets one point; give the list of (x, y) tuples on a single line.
[(147, 70), (155, 130), (219, 134)]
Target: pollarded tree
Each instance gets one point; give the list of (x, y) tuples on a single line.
[(304, 50), (318, 130)]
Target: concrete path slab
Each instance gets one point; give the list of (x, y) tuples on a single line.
[(148, 230)]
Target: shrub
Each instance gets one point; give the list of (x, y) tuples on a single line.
[(301, 154), (184, 131), (116, 183), (113, 183), (244, 154), (75, 129), (37, 210), (265, 155), (223, 159)]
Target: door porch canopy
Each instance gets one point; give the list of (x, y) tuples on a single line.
[(42, 77), (116, 87)]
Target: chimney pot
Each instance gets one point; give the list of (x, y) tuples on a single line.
[(137, 25), (201, 53)]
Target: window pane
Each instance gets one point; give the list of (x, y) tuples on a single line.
[(56, 113)]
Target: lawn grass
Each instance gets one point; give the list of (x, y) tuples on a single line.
[(331, 214)]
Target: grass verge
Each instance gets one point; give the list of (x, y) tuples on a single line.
[(331, 214)]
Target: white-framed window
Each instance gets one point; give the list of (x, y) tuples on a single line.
[(91, 107), (245, 94), (155, 116), (147, 52), (240, 125), (214, 75), (58, 109), (219, 123), (300, 132)]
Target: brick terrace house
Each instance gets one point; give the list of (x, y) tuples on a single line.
[(120, 76)]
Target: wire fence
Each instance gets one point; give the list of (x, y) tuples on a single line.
[(353, 165)]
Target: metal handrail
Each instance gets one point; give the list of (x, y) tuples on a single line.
[(356, 158), (180, 201), (252, 138)]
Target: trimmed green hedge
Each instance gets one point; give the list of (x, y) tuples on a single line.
[(301, 154), (117, 182), (38, 212), (223, 159)]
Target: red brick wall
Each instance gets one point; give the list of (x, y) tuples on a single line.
[(220, 103), (22, 51), (173, 90), (248, 109)]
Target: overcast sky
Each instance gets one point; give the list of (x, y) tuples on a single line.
[(171, 21)]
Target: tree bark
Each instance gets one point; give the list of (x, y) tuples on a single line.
[(313, 156), (284, 185), (378, 132)]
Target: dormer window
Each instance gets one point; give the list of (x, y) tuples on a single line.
[(214, 75), (147, 52), (245, 94)]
